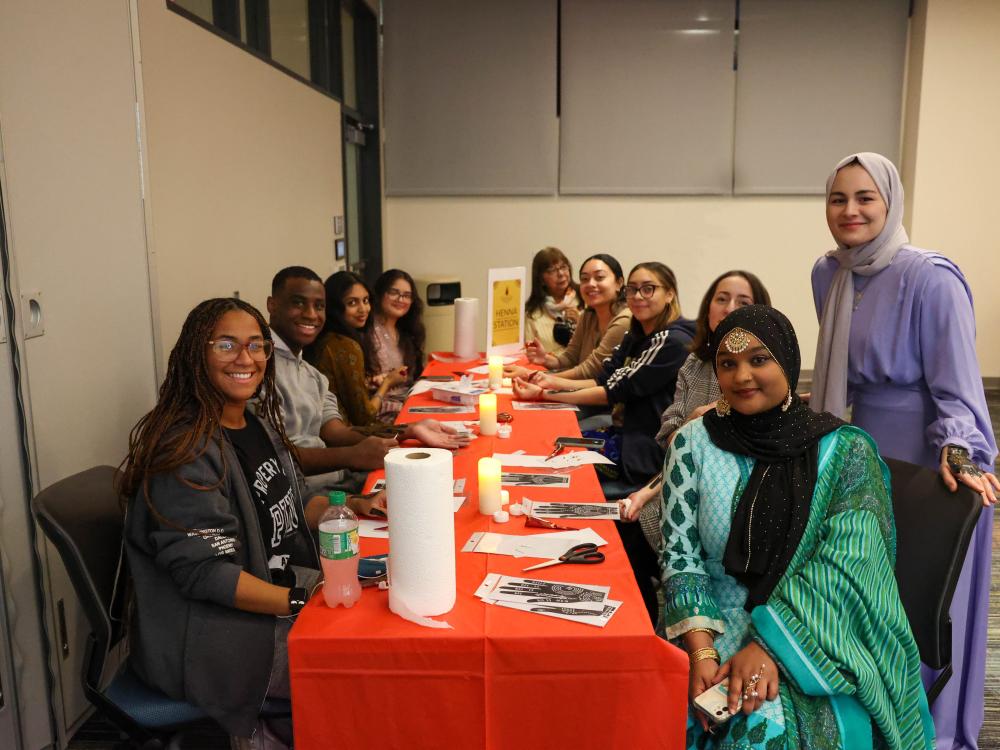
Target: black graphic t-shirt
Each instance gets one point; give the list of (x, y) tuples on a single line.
[(272, 493)]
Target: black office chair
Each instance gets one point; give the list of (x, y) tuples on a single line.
[(933, 529), (81, 517)]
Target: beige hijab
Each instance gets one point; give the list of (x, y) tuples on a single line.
[(829, 389)]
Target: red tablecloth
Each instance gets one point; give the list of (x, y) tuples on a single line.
[(502, 678)]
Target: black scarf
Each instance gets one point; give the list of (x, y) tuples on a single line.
[(773, 510)]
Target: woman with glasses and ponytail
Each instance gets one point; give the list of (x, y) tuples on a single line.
[(638, 382), (217, 524), (396, 338)]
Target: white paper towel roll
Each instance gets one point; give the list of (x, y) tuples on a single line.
[(466, 326), (421, 531)]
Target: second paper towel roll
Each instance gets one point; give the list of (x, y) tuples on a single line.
[(421, 530), (466, 325)]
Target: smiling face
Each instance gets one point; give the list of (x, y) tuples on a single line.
[(730, 293), (356, 306), (239, 379), (648, 297), (855, 210), (397, 300), (751, 380), (598, 284), (297, 312)]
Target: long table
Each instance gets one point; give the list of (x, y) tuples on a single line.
[(501, 678)]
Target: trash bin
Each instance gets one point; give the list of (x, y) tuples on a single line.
[(439, 294)]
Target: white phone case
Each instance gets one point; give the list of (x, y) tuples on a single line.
[(714, 703)]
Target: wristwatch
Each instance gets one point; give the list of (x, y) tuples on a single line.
[(297, 598)]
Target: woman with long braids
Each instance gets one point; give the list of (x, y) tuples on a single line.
[(216, 525)]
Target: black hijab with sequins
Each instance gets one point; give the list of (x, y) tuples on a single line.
[(773, 510)]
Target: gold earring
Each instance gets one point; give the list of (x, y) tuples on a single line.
[(788, 400), (722, 407)]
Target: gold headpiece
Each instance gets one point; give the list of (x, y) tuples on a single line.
[(736, 341)]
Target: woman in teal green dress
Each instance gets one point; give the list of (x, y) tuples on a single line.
[(779, 546)]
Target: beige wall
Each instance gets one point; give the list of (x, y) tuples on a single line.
[(777, 238), (950, 151), (957, 153), (244, 168)]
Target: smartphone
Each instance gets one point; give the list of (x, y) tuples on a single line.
[(714, 703), (580, 442)]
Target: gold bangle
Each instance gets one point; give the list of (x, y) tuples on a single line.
[(704, 653), (702, 630)]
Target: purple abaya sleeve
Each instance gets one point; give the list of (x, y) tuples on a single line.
[(950, 366)]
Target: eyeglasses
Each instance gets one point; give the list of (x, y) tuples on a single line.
[(228, 350), (556, 270), (395, 294), (643, 292)]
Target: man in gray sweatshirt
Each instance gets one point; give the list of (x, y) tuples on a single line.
[(325, 445)]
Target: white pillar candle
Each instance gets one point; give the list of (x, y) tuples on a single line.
[(504, 497), (487, 414), (489, 486), (496, 371)]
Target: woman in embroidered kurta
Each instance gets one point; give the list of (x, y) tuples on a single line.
[(897, 343), (779, 545)]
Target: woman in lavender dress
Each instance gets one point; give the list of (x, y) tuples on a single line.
[(897, 344)]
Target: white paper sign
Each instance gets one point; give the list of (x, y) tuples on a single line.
[(506, 293)]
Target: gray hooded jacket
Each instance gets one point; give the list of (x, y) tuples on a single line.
[(188, 639)]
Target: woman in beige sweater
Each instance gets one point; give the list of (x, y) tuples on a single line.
[(602, 325)]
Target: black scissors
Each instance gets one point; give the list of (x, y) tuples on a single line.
[(581, 554)]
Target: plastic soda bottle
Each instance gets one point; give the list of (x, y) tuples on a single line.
[(338, 549)]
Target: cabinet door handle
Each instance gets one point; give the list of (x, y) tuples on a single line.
[(32, 312), (63, 636)]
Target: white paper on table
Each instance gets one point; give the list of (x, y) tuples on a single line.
[(563, 461), (372, 529), (459, 501), (459, 487), (539, 592), (422, 386), (592, 511), (547, 546), (544, 406), (570, 612)]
